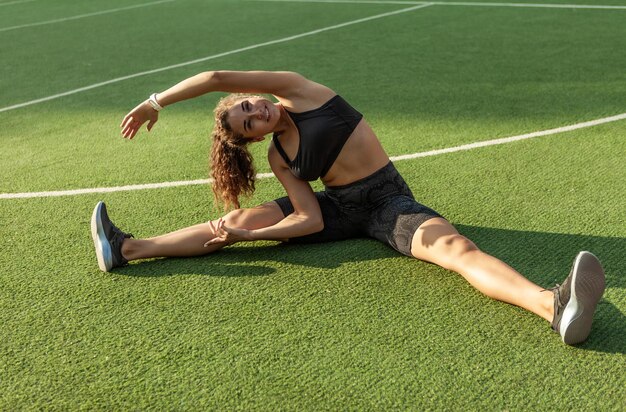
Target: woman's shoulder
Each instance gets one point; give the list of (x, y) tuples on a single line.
[(309, 96)]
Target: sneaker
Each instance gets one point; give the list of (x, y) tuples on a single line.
[(575, 301), (107, 239)]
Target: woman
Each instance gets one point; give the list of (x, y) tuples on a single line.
[(317, 134)]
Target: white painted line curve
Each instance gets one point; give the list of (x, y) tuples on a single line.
[(461, 3), (511, 139), (460, 148), (533, 5)]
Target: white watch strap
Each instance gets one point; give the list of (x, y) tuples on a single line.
[(153, 102)]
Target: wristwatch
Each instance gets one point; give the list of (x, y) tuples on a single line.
[(153, 102)]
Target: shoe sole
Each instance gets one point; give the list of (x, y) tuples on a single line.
[(588, 285), (101, 244)]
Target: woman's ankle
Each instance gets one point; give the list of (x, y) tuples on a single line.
[(129, 249), (547, 304)]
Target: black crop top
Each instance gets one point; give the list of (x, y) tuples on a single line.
[(323, 132)]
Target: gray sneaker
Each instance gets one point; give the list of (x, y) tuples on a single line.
[(107, 239), (576, 299)]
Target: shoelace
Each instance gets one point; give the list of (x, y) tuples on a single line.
[(557, 304), (118, 239), (557, 299)]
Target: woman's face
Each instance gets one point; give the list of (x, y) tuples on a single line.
[(253, 117)]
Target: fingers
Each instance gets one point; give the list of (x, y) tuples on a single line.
[(217, 227), (129, 125), (214, 241), (222, 238), (127, 131), (130, 131), (220, 231), (126, 118), (220, 225)]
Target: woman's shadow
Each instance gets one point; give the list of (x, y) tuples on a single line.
[(545, 258), (250, 259)]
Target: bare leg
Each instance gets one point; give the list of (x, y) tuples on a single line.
[(190, 241), (437, 241)]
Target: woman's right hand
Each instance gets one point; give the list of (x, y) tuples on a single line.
[(138, 116), (225, 234)]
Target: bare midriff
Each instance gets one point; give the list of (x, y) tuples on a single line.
[(361, 156)]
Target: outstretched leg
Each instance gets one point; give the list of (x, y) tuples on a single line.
[(438, 242), (190, 241)]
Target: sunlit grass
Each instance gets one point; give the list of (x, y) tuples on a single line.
[(342, 326)]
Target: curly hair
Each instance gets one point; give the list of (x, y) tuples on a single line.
[(231, 163)]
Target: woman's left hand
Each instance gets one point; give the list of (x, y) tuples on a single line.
[(225, 234), (133, 121)]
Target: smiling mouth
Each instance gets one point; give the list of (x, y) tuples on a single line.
[(267, 114)]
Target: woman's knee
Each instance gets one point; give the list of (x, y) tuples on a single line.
[(267, 214), (453, 251), (237, 218), (459, 249)]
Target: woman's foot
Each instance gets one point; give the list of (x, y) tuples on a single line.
[(575, 301), (107, 239)]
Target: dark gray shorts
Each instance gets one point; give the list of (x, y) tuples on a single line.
[(380, 206)]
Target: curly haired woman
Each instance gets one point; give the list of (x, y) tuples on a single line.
[(318, 135)]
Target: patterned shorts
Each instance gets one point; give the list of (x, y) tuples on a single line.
[(380, 206)]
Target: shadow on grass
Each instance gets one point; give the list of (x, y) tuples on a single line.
[(191, 266), (608, 333), (252, 261), (545, 258)]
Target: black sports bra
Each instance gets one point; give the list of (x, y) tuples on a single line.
[(323, 132)]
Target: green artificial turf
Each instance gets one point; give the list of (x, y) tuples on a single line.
[(347, 325)]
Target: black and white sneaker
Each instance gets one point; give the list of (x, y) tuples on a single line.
[(575, 301), (107, 239)]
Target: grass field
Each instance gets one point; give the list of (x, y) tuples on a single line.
[(349, 325)]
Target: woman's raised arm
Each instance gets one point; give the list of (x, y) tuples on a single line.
[(288, 85)]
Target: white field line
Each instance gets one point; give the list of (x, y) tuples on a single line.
[(531, 5), (464, 147), (511, 139), (459, 3), (81, 16), (125, 188), (348, 1), (215, 56), (15, 2)]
